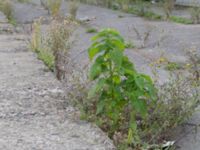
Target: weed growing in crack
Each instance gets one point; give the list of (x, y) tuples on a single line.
[(110, 105), (173, 66), (37, 44), (59, 43), (91, 30), (129, 44), (180, 20), (121, 90), (177, 100), (53, 46)]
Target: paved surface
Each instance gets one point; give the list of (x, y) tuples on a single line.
[(167, 39), (34, 114)]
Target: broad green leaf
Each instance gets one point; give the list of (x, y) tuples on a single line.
[(95, 49), (95, 71), (147, 78), (116, 79), (127, 65), (109, 34), (116, 56), (100, 106), (139, 105), (97, 88), (118, 44), (140, 82)]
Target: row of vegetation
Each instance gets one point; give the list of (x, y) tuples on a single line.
[(143, 8), (138, 7)]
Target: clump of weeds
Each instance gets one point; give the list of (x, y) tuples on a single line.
[(175, 102), (53, 46)]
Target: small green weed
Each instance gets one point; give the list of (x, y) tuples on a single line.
[(172, 66), (146, 14), (12, 21), (120, 16), (91, 30), (47, 57), (129, 44), (23, 1), (152, 16), (180, 20)]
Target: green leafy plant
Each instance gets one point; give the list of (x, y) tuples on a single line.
[(47, 57), (130, 123), (119, 87)]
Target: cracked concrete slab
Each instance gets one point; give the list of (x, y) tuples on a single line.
[(177, 39), (34, 114)]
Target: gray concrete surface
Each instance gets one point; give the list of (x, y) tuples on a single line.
[(174, 39), (34, 114)]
